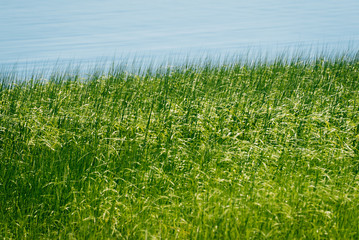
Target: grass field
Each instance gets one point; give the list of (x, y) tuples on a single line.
[(202, 151)]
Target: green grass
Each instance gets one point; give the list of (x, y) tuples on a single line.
[(202, 151)]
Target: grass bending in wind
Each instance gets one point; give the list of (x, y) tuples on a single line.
[(262, 150)]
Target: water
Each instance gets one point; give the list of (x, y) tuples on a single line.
[(89, 30)]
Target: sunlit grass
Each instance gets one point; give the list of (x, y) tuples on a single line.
[(203, 151)]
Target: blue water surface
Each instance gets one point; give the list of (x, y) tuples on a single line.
[(89, 30)]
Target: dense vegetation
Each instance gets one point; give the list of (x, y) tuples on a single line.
[(202, 151)]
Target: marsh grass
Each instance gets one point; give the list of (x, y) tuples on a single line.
[(203, 151)]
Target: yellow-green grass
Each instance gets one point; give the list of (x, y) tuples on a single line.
[(202, 151)]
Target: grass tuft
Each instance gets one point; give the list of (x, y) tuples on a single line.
[(201, 151)]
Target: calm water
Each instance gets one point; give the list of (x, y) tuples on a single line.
[(88, 30)]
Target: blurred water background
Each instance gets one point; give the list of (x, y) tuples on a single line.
[(42, 32)]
